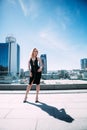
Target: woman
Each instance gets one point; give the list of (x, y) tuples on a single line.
[(35, 68)]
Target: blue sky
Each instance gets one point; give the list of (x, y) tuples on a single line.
[(57, 28)]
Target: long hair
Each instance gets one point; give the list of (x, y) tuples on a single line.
[(32, 53)]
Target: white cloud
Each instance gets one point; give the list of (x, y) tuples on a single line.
[(53, 40), (29, 8), (64, 16), (23, 6)]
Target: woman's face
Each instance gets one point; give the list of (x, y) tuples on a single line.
[(35, 52)]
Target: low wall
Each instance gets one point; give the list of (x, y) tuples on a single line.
[(43, 86)]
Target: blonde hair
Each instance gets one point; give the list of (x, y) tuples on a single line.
[(32, 53)]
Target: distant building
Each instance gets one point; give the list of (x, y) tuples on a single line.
[(44, 62), (84, 63), (9, 56)]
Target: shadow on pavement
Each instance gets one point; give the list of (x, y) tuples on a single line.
[(54, 112)]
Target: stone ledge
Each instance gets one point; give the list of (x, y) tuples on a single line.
[(43, 86)]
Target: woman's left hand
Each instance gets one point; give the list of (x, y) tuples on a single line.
[(39, 70)]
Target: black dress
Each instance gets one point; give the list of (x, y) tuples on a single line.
[(36, 76)]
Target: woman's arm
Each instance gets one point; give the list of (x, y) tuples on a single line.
[(41, 65), (29, 67)]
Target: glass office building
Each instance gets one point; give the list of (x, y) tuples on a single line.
[(9, 57), (44, 62), (18, 59), (84, 63), (4, 66)]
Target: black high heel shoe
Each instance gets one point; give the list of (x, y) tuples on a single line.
[(36, 101), (25, 100)]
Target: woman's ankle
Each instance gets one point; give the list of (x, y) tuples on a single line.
[(36, 97)]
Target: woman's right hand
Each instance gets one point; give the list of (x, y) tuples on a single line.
[(30, 74)]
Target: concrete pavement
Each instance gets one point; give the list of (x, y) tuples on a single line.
[(57, 110)]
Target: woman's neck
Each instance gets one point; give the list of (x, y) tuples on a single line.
[(33, 58)]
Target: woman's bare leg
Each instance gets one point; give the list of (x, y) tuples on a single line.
[(27, 91), (37, 91)]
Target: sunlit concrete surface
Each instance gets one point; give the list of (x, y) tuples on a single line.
[(57, 110)]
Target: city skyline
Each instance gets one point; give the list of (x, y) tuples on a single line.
[(57, 28)]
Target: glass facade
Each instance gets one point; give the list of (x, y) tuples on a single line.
[(9, 58), (3, 58), (44, 62), (18, 58), (84, 63)]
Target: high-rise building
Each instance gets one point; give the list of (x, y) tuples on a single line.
[(9, 56), (44, 62), (84, 63)]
